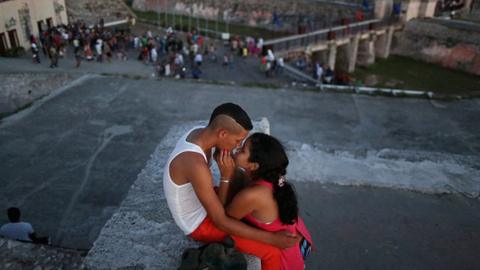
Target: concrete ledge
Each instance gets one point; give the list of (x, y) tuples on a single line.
[(141, 233), (378, 91), (396, 92)]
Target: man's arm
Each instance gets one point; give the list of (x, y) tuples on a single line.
[(201, 179)]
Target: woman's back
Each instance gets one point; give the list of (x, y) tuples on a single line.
[(265, 208)]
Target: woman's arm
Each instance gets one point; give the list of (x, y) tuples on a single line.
[(244, 203)]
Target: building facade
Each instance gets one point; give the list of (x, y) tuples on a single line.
[(21, 18)]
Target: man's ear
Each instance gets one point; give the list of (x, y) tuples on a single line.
[(222, 133)]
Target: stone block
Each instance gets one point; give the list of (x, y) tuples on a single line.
[(142, 233)]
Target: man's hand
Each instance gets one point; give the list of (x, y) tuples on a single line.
[(225, 163), (285, 239)]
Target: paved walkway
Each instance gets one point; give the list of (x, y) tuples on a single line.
[(68, 163), (244, 70)]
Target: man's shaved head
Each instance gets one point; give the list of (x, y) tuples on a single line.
[(231, 125), (235, 112), (226, 122)]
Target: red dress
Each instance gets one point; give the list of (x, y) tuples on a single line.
[(291, 258)]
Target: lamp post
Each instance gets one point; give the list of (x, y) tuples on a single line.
[(158, 13), (206, 26), (166, 18), (190, 19)]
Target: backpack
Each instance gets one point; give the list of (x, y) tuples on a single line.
[(213, 256)]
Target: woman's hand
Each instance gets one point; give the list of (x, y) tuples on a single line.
[(225, 163)]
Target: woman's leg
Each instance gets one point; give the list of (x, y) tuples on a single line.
[(269, 255)]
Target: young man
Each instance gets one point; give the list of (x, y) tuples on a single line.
[(16, 230), (195, 206)]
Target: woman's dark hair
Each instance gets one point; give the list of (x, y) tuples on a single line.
[(268, 152)]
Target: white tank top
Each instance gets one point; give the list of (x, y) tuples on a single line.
[(186, 209)]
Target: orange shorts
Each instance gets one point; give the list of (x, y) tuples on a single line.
[(269, 255)]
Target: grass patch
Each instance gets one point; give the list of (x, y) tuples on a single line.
[(186, 23), (468, 18), (406, 73)]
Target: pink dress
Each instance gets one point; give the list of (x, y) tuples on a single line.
[(292, 258)]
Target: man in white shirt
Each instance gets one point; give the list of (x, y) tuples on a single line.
[(198, 59), (16, 230), (319, 72)]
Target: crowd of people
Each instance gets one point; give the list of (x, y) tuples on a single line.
[(323, 73), (95, 43), (172, 54)]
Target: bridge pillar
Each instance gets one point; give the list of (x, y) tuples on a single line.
[(353, 52), (332, 55), (427, 8), (366, 51), (383, 8), (384, 43), (412, 9)]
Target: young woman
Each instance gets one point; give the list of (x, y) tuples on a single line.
[(269, 201)]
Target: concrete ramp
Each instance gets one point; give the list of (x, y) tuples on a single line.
[(141, 234)]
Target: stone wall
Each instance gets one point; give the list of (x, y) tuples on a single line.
[(91, 11), (21, 89), (253, 12), (16, 255), (436, 43)]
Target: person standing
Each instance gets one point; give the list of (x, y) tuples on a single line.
[(53, 54), (319, 72), (198, 59), (98, 49), (77, 50), (35, 51)]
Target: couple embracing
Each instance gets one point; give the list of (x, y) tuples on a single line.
[(262, 218)]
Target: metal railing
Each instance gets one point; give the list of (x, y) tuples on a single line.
[(302, 40)]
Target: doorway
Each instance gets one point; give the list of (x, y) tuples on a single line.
[(3, 43), (12, 35)]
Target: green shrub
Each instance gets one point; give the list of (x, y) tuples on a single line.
[(14, 52)]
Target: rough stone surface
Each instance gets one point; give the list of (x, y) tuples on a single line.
[(46, 155), (16, 255), (253, 12), (20, 89), (440, 43), (142, 233), (92, 11)]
